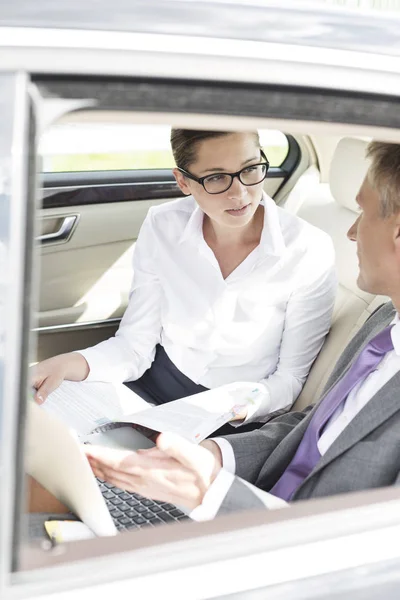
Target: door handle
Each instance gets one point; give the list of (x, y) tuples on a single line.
[(62, 234)]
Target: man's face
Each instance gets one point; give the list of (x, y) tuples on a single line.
[(225, 154), (378, 245)]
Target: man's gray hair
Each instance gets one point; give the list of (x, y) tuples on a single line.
[(384, 175)]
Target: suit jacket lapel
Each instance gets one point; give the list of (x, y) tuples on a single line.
[(380, 408), (341, 374), (379, 327)]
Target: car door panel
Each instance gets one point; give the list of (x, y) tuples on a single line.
[(87, 278)]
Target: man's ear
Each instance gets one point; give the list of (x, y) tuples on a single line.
[(182, 182), (397, 234)]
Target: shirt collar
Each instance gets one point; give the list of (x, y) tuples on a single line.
[(271, 242), (194, 227), (395, 333)]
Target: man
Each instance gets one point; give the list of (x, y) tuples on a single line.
[(349, 441)]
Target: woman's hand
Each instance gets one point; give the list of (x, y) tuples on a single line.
[(47, 375), (175, 471), (240, 414)]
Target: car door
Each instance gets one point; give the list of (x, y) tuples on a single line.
[(342, 547)]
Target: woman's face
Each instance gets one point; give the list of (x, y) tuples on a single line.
[(225, 154)]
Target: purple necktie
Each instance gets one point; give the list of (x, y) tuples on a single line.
[(307, 454)]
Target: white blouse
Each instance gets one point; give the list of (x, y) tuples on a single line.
[(265, 323)]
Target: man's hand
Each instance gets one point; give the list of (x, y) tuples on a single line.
[(175, 471)]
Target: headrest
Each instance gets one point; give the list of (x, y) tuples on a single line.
[(348, 169)]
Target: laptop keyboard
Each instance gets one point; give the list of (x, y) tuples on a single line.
[(131, 511)]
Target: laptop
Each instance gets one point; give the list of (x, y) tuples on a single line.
[(54, 457)]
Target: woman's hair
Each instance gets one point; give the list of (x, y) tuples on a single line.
[(384, 175), (184, 144)]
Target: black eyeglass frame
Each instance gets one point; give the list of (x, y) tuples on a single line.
[(201, 180)]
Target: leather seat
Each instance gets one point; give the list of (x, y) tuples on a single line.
[(332, 208)]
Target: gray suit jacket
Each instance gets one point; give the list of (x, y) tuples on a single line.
[(365, 455)]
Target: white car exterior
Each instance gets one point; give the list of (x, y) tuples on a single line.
[(211, 63)]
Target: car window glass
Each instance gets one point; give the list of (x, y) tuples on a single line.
[(275, 144), (88, 146)]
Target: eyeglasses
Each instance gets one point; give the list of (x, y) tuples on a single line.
[(217, 183)]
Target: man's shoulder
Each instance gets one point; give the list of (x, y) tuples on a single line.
[(383, 313), (379, 319)]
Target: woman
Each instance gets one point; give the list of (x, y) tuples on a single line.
[(227, 287)]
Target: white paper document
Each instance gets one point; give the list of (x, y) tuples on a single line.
[(86, 407), (196, 417)]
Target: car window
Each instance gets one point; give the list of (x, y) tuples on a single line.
[(203, 553), (106, 146)]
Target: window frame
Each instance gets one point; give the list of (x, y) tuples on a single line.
[(135, 184), (253, 534), (17, 210)]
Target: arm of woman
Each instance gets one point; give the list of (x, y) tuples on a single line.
[(131, 351), (307, 322)]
